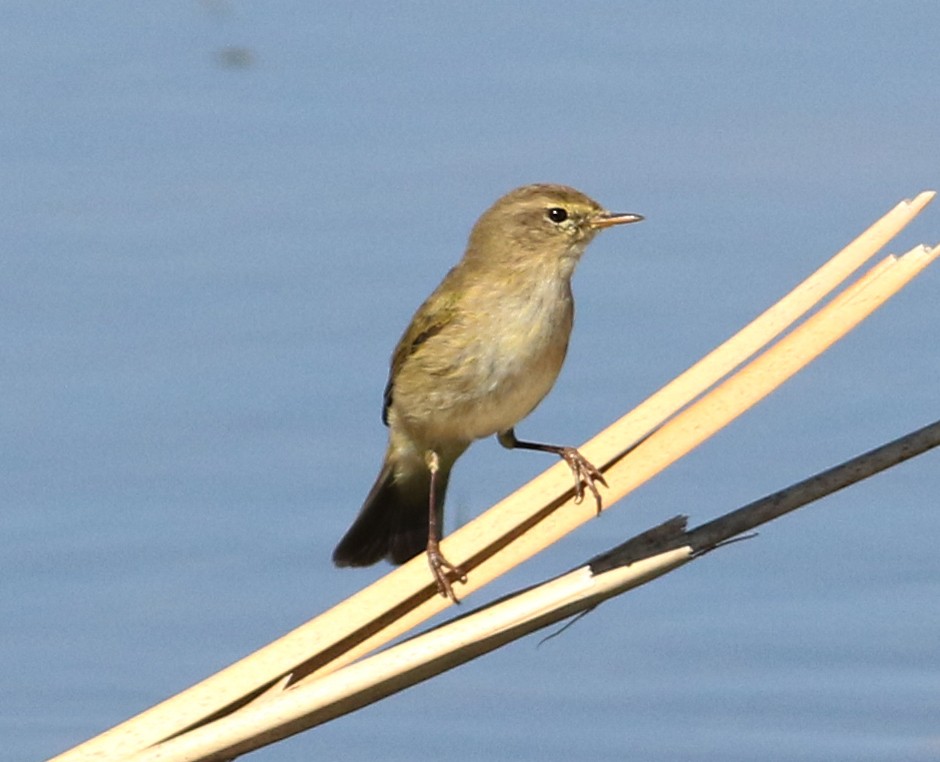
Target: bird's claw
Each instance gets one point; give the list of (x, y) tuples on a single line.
[(585, 473), (443, 570)]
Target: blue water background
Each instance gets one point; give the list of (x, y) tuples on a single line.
[(219, 216)]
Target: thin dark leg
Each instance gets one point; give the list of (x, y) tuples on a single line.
[(440, 566), (583, 470)]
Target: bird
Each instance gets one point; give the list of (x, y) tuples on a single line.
[(479, 355)]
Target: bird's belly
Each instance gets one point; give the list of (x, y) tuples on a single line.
[(487, 386), (513, 384)]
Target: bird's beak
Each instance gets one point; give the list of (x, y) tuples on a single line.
[(607, 219)]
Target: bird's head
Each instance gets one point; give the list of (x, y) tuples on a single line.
[(540, 225)]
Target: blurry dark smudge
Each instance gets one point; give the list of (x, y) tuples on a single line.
[(234, 57)]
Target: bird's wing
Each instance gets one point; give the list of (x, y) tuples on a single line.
[(432, 317)]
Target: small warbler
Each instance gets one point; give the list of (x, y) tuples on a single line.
[(478, 356)]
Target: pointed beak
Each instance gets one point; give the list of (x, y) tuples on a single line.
[(608, 219)]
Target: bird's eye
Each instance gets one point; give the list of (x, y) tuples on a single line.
[(557, 214)]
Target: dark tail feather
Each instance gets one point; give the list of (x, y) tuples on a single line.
[(393, 521)]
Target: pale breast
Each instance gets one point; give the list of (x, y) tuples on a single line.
[(489, 369)]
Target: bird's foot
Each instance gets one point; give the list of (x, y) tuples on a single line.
[(444, 572), (585, 473)]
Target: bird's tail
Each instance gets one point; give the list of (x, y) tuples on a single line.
[(393, 521)]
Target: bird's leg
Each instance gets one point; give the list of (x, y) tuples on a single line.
[(583, 470), (441, 568)]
